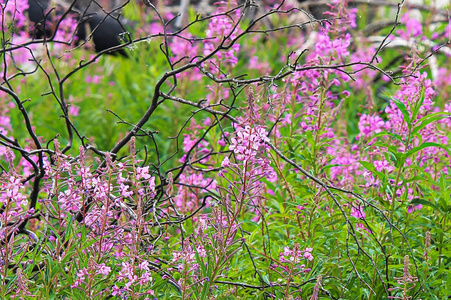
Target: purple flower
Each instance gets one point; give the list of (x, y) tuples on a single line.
[(142, 173), (414, 28), (357, 212), (413, 208), (370, 125)]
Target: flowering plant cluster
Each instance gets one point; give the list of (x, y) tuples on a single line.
[(260, 152)]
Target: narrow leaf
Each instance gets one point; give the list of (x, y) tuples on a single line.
[(426, 203), (403, 110)]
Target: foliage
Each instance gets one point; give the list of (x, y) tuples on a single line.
[(255, 153)]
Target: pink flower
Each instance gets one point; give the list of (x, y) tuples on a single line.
[(13, 10), (370, 125), (361, 226), (357, 212), (225, 162), (300, 208), (103, 269), (142, 173), (70, 200), (94, 79), (247, 141), (73, 110), (383, 165), (295, 255), (413, 208), (414, 28)]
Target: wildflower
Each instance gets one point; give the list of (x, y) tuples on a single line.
[(413, 208), (357, 212), (404, 282), (316, 288)]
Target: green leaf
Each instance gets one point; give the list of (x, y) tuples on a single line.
[(200, 262), (426, 203), (418, 105), (423, 146), (445, 193), (403, 110), (265, 278), (205, 289), (392, 151), (386, 133), (428, 119), (448, 283), (369, 166)]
